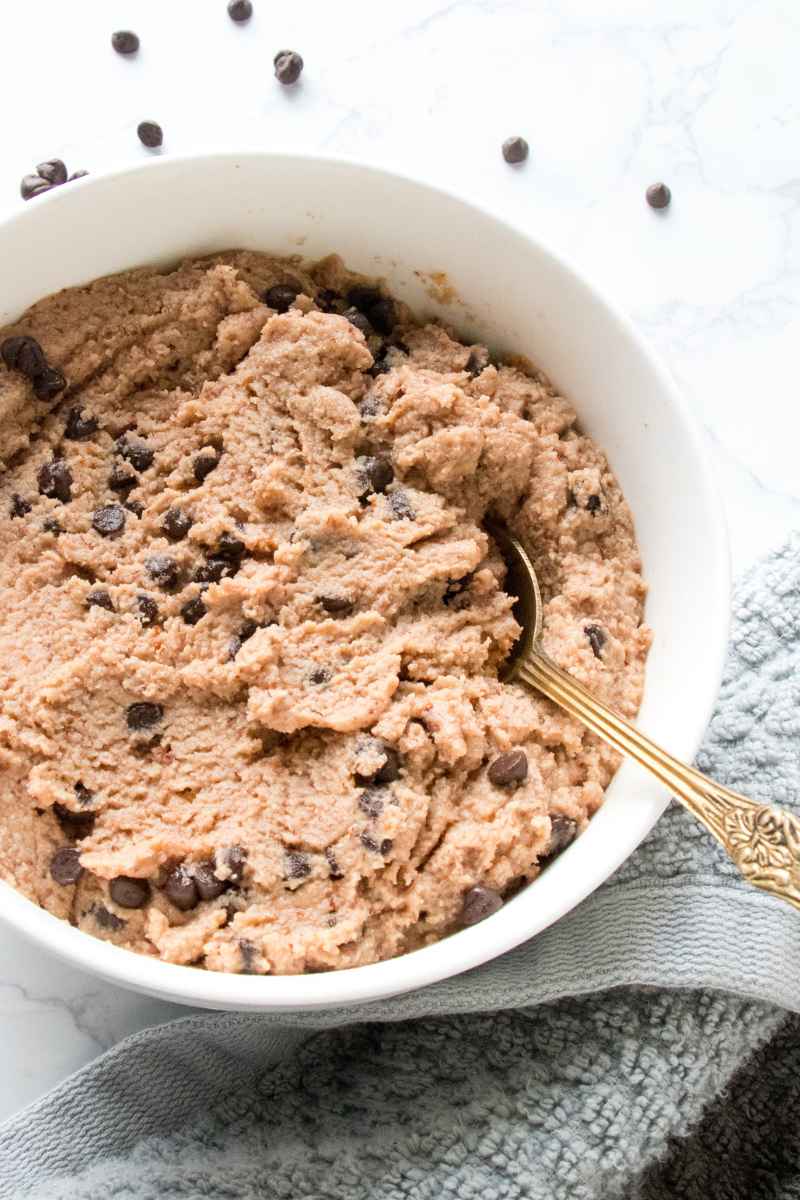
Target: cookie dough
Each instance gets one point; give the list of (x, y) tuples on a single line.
[(251, 624)]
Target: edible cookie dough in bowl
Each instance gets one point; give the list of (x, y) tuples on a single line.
[(256, 749)]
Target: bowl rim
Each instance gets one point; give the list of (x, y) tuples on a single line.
[(459, 952)]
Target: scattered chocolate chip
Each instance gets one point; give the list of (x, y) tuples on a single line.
[(515, 149), (240, 10), (53, 170), (100, 599), (180, 888), (288, 66), (337, 606), (65, 866), (479, 903), (597, 639), (176, 524), (282, 296), (109, 520), (234, 860), (297, 865), (55, 480), (333, 866), (125, 41), (106, 919), (562, 834), (33, 185), (456, 588), (148, 611), (23, 354), (128, 892), (19, 506), (509, 769), (143, 715), (209, 886), (400, 506), (327, 299), (136, 451), (79, 428), (150, 134), (383, 315), (49, 383), (203, 465), (319, 675), (377, 473), (658, 195), (77, 175), (371, 803), (594, 504), (193, 610), (163, 570), (358, 319), (121, 481), (74, 824), (249, 954), (230, 548), (51, 525)]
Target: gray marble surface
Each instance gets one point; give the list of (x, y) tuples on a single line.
[(611, 94)]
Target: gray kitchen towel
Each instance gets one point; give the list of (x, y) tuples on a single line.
[(647, 1046)]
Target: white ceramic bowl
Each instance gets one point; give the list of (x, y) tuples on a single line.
[(517, 296)]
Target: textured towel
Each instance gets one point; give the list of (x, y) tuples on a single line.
[(645, 1046)]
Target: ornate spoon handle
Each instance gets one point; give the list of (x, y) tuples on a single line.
[(763, 841)]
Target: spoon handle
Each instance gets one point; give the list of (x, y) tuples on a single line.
[(762, 840)]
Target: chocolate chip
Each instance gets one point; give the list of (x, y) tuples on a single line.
[(282, 296), (383, 315), (52, 170), (65, 866), (509, 769), (400, 506), (193, 610), (148, 611), (235, 644), (562, 834), (230, 548), (479, 903), (176, 524), (212, 570), (82, 794), (240, 10), (180, 889), (319, 675), (515, 149), (380, 366), (100, 599), (19, 506), (163, 570), (109, 520), (125, 41), (23, 354), (121, 481), (336, 605), (390, 771), (297, 865), (49, 383), (33, 185), (288, 66), (77, 175), (658, 195), (79, 428), (234, 860), (106, 919), (594, 504), (456, 588), (597, 639), (363, 297), (333, 866), (477, 362), (74, 824), (143, 715), (55, 480), (386, 846), (203, 465), (369, 843), (371, 803), (327, 299), (128, 892), (377, 474), (358, 319), (150, 134), (51, 525), (209, 886), (136, 451)]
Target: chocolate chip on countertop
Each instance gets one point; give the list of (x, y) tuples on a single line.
[(125, 41), (400, 506), (193, 610), (33, 185), (297, 865), (358, 319), (240, 10), (143, 715), (562, 834), (479, 903), (163, 570), (597, 639), (19, 506), (515, 150), (53, 170), (109, 520), (121, 481), (203, 465), (658, 195), (509, 769), (150, 134), (65, 865), (281, 296), (288, 66), (180, 889), (22, 353), (377, 474), (148, 611), (55, 480), (176, 524), (337, 606), (593, 504), (79, 428), (48, 385), (371, 804), (100, 599), (136, 451), (128, 892), (333, 866)]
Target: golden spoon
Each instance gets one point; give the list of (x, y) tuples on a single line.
[(762, 840)]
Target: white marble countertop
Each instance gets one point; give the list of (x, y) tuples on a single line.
[(611, 95)]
